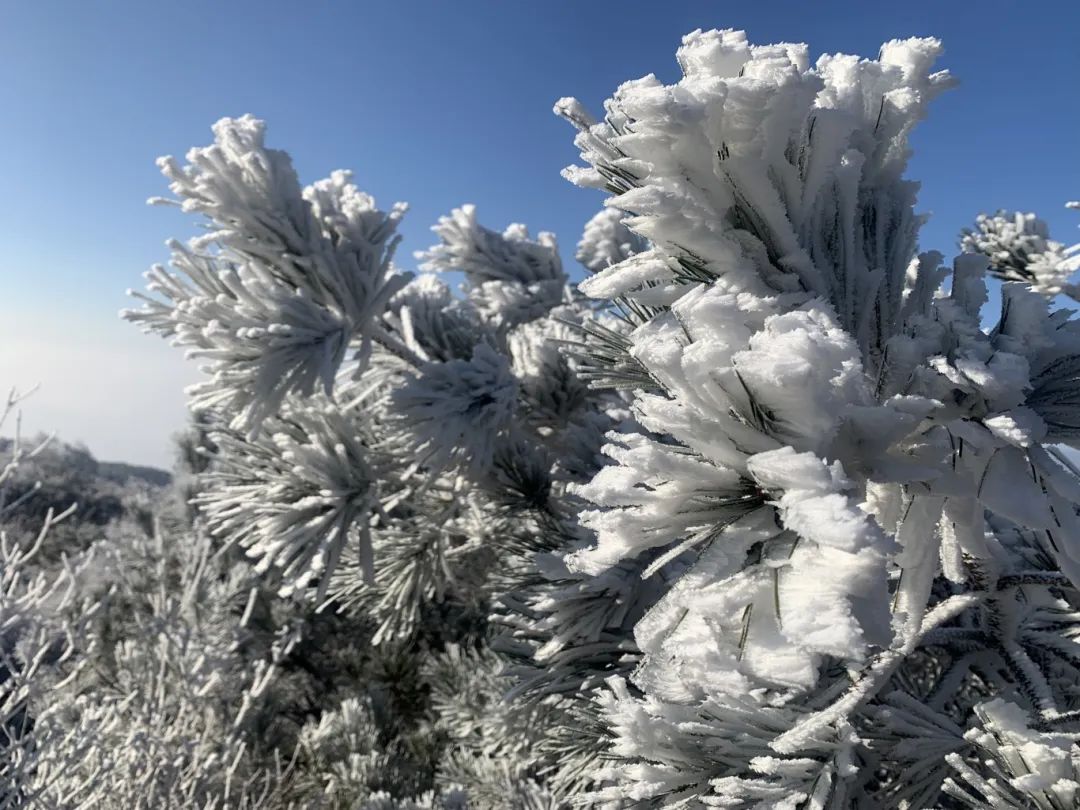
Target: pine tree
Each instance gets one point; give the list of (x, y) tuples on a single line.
[(756, 516)]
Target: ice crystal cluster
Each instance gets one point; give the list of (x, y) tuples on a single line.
[(1019, 248), (759, 515)]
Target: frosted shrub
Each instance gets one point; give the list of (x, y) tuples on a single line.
[(35, 642)]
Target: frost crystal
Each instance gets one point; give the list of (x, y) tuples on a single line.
[(607, 241)]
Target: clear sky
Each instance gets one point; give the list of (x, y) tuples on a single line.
[(433, 103)]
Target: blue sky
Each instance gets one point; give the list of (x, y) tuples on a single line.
[(433, 103)]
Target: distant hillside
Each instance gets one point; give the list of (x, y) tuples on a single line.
[(123, 473), (80, 459), (63, 474)]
